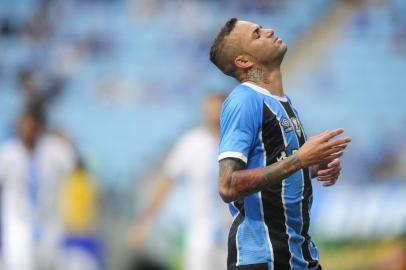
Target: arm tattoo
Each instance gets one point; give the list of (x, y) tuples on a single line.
[(239, 183), (227, 167), (282, 169)]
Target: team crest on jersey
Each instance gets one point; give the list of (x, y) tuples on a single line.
[(298, 127), (287, 127)]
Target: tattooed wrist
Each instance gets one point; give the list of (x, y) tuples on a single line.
[(282, 169), (253, 180)]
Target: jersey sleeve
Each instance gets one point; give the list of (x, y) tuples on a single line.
[(238, 127)]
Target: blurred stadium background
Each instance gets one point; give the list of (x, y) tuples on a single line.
[(122, 79)]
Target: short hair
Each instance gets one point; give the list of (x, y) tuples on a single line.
[(223, 54)]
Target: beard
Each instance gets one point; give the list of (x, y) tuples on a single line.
[(275, 58)]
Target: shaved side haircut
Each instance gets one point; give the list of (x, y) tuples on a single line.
[(223, 51)]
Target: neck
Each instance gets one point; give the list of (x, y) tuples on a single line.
[(269, 78), (29, 145)]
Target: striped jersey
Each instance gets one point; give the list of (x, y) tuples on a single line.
[(270, 228)]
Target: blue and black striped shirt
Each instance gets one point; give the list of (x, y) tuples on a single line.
[(270, 228)]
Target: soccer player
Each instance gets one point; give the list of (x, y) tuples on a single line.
[(32, 166), (266, 163), (194, 159)]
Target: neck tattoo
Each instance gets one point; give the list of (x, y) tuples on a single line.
[(256, 75)]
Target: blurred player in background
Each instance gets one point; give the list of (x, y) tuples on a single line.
[(266, 164), (32, 166), (194, 158)]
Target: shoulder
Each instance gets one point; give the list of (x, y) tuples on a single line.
[(10, 146), (242, 97), (58, 149), (12, 152), (243, 94), (55, 144)]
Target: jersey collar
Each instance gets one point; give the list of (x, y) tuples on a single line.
[(264, 91)]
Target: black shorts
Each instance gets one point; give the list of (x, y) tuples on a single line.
[(259, 266)]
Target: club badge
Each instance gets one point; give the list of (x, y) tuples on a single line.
[(298, 127), (285, 123)]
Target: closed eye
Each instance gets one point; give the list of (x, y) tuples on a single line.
[(257, 33)]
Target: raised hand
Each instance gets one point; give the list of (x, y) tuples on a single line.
[(322, 148)]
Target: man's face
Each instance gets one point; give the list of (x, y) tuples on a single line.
[(29, 128), (260, 43)]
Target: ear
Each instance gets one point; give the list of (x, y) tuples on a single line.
[(243, 61)]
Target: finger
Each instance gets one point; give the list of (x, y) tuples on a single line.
[(334, 163), (334, 146), (333, 172), (333, 175), (331, 134), (320, 134), (329, 183), (330, 157), (330, 151), (330, 177), (341, 145), (326, 159), (337, 142), (327, 172), (330, 169)]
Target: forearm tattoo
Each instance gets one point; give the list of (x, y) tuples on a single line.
[(282, 169), (244, 182)]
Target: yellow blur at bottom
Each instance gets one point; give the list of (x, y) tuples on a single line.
[(376, 255)]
